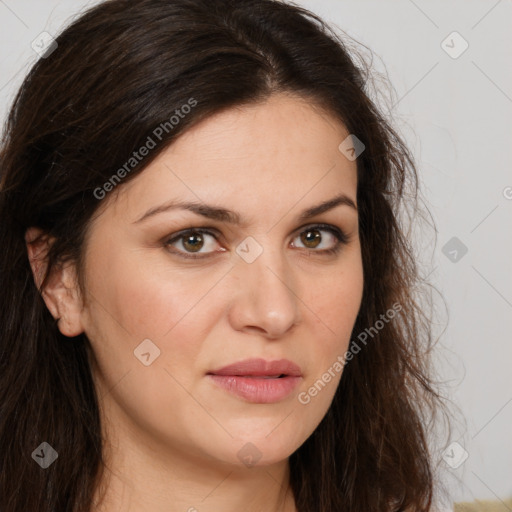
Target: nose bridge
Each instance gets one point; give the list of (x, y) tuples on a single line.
[(266, 297)]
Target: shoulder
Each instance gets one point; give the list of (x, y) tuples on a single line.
[(483, 506)]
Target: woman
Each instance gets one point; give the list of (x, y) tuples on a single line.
[(207, 299)]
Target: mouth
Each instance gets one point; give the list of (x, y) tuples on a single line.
[(257, 380), (262, 376), (280, 376), (258, 368)]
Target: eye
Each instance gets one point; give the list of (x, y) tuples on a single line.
[(312, 238), (191, 242)]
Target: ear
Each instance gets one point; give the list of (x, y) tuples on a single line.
[(61, 293)]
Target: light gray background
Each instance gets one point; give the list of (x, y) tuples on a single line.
[(456, 116)]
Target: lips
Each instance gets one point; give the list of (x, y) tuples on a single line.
[(257, 380), (260, 368)]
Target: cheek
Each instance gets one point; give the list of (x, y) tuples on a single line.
[(333, 310), (135, 301), (336, 301)]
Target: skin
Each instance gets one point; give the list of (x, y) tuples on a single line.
[(171, 435)]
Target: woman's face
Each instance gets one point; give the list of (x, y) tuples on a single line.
[(162, 312)]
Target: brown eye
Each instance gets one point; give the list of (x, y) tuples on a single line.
[(200, 242), (314, 237), (193, 242), (311, 238)]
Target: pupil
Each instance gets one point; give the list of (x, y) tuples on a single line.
[(189, 240), (311, 236)]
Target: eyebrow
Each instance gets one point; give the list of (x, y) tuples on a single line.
[(231, 217)]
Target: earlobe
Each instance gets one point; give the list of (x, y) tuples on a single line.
[(60, 292)]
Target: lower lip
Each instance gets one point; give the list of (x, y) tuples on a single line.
[(257, 389)]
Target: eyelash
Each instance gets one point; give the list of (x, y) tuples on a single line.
[(341, 236)]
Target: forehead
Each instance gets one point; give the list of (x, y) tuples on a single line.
[(275, 152), (282, 125)]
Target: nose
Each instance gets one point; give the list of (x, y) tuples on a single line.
[(265, 300)]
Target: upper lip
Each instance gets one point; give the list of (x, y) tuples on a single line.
[(260, 367)]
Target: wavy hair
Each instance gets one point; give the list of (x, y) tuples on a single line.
[(119, 70)]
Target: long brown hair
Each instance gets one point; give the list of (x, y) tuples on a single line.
[(120, 71)]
